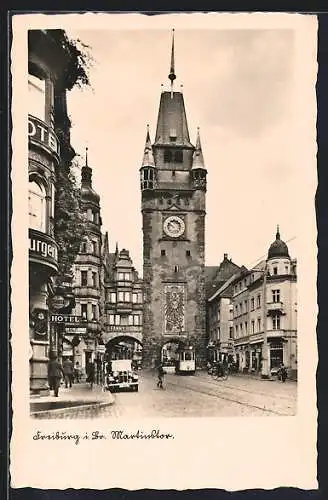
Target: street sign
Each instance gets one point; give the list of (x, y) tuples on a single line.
[(65, 318), (76, 330)]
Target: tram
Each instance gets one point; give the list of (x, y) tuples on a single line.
[(186, 361)]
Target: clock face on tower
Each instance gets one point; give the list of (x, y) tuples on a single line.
[(174, 226)]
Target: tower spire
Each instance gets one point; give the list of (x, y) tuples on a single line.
[(198, 159), (172, 75), (148, 157), (86, 156), (278, 233)]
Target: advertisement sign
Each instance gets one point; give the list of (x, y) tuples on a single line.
[(43, 249), (65, 318), (76, 330), (42, 133)]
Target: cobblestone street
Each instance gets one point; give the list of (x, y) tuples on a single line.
[(197, 396)]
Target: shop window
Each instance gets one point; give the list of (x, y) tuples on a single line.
[(37, 96), (37, 206)]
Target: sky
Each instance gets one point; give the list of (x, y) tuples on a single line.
[(241, 87)]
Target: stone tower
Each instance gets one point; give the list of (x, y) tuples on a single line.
[(173, 189)]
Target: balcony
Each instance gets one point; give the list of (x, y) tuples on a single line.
[(40, 134), (43, 250), (87, 258), (86, 292), (275, 333), (275, 307), (123, 307)]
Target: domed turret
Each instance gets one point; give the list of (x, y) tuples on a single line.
[(278, 248), (87, 192)]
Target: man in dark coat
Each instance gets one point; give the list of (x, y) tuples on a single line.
[(68, 368), (55, 373)]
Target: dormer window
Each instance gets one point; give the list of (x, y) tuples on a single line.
[(173, 135)]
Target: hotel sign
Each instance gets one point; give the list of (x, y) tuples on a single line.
[(65, 318), (43, 249), (43, 134)]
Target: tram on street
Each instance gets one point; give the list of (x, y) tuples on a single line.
[(186, 361)]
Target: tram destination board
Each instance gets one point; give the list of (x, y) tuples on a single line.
[(65, 318)]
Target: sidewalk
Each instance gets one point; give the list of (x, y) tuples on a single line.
[(70, 402)]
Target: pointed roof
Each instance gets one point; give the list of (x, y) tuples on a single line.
[(172, 121), (198, 159), (172, 127), (148, 157)]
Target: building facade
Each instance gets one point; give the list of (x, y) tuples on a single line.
[(173, 194), (123, 305), (265, 312), (80, 339), (47, 98)]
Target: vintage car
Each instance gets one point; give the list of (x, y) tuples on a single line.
[(121, 376)]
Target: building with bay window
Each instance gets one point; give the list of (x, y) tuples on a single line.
[(47, 64), (264, 301), (123, 304), (81, 341)]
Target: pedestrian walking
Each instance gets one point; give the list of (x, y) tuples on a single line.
[(68, 368), (55, 373), (91, 374), (160, 374), (282, 373), (77, 372)]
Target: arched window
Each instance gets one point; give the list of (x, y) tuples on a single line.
[(37, 206), (37, 96)]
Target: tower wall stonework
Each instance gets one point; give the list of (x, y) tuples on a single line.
[(160, 270)]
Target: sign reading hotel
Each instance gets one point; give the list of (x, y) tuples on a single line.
[(42, 133), (65, 318)]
